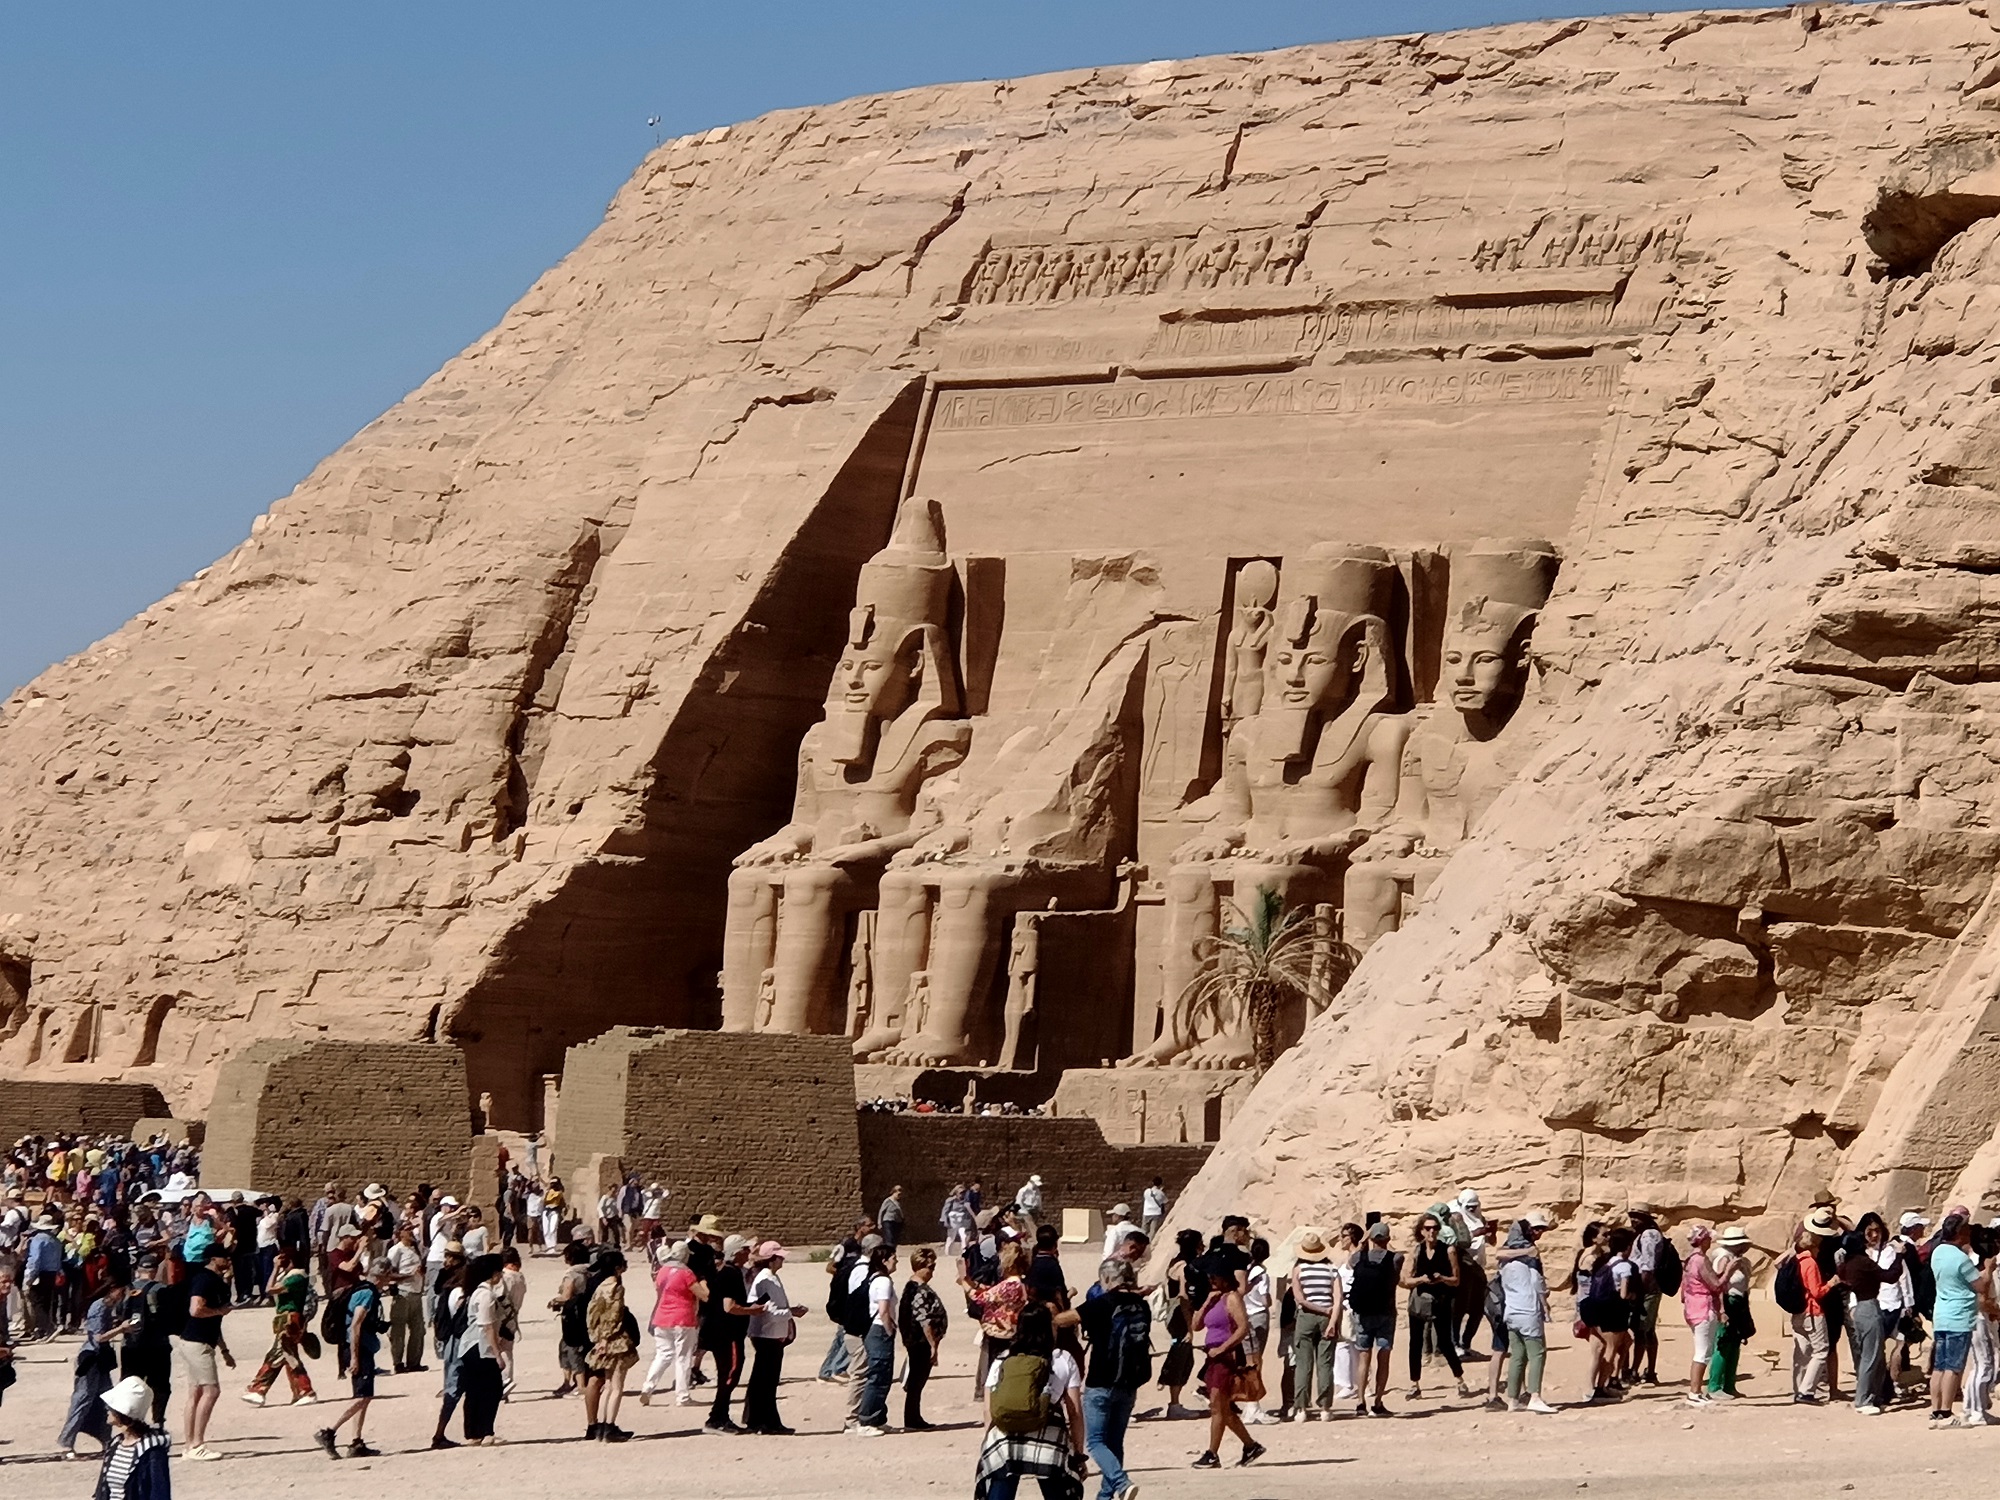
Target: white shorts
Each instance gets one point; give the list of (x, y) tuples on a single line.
[(196, 1363), (1704, 1337)]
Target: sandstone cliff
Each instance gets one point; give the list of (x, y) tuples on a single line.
[(458, 744)]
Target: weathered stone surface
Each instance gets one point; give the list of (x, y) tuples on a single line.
[(462, 742), (757, 1129), (289, 1115)]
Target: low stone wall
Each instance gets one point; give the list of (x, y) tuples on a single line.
[(290, 1116), (1079, 1169), (757, 1129), (36, 1108)]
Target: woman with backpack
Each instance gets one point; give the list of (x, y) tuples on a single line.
[(1431, 1278), (1797, 1289), (998, 1307), (1034, 1417), (614, 1347), (1605, 1311)]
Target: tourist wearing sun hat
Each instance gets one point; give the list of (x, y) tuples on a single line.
[(1118, 1230), (1317, 1293), (1731, 1258), (135, 1458), (772, 1326)]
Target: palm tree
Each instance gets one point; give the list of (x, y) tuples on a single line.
[(1252, 969)]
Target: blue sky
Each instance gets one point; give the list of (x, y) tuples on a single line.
[(234, 233)]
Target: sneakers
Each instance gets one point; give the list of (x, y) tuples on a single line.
[(720, 1424), (1870, 1410), (1130, 1492), (1301, 1415), (1725, 1395), (359, 1449), (1378, 1410), (441, 1442), (1800, 1398), (201, 1453), (308, 1399), (1497, 1403), (1694, 1400), (253, 1398), (1206, 1461), (861, 1430), (1939, 1421), (324, 1437), (1540, 1407), (1251, 1453)]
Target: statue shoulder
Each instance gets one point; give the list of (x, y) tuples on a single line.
[(942, 744)]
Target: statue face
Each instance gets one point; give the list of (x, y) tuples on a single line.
[(878, 680), (1312, 676), (1484, 673)]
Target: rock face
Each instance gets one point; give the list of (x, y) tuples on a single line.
[(463, 743)]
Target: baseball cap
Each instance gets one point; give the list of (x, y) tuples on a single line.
[(1536, 1219), (1379, 1230), (769, 1250), (1912, 1219)]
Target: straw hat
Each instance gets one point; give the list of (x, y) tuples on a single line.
[(1312, 1247), (131, 1398), (1735, 1237), (1820, 1222), (708, 1224)]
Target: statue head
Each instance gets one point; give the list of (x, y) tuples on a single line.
[(896, 663), (1498, 589), (1332, 618)]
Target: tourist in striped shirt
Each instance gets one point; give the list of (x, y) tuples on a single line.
[(135, 1461), (1316, 1289)]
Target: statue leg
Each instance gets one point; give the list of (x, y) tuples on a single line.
[(902, 943), (964, 950), (749, 938), (807, 956), (1191, 920), (1371, 903)]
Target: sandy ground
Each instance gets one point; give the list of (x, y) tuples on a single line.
[(1650, 1445)]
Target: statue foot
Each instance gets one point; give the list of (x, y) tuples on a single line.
[(1222, 1053), (880, 1040), (924, 1053)]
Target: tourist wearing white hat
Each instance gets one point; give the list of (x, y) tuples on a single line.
[(1116, 1232), (1029, 1198), (135, 1458), (1731, 1257), (1524, 1294)]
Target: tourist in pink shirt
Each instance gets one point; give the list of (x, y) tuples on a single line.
[(1701, 1300), (674, 1319)]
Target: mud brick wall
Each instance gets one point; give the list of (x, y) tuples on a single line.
[(1079, 1169), (34, 1108), (757, 1129), (289, 1116)]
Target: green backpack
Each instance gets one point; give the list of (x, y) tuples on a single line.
[(1020, 1401)]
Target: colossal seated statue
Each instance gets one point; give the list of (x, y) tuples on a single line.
[(1304, 778), (1456, 761), (893, 722), (1041, 823)]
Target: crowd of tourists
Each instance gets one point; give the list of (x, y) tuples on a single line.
[(1306, 1330)]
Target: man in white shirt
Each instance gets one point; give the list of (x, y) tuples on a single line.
[(1029, 1199), (1153, 1209), (1118, 1230), (406, 1302)]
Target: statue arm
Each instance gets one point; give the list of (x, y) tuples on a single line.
[(1382, 776)]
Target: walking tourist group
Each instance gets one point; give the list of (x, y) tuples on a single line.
[(111, 1242)]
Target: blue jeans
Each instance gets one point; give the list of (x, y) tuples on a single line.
[(835, 1364), (881, 1346), (1106, 1411)]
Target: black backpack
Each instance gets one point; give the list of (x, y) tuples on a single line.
[(1374, 1289), (855, 1313), (166, 1313), (1667, 1269), (836, 1288), (448, 1324), (1128, 1344), (1788, 1287), (333, 1319)]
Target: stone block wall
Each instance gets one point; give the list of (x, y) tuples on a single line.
[(36, 1108), (757, 1129), (1079, 1169), (289, 1116)]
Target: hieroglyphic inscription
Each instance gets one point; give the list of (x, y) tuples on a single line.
[(1578, 240), (1003, 353), (1389, 325), (1063, 273), (1318, 393)]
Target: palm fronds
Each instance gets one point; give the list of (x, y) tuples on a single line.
[(1251, 969)]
